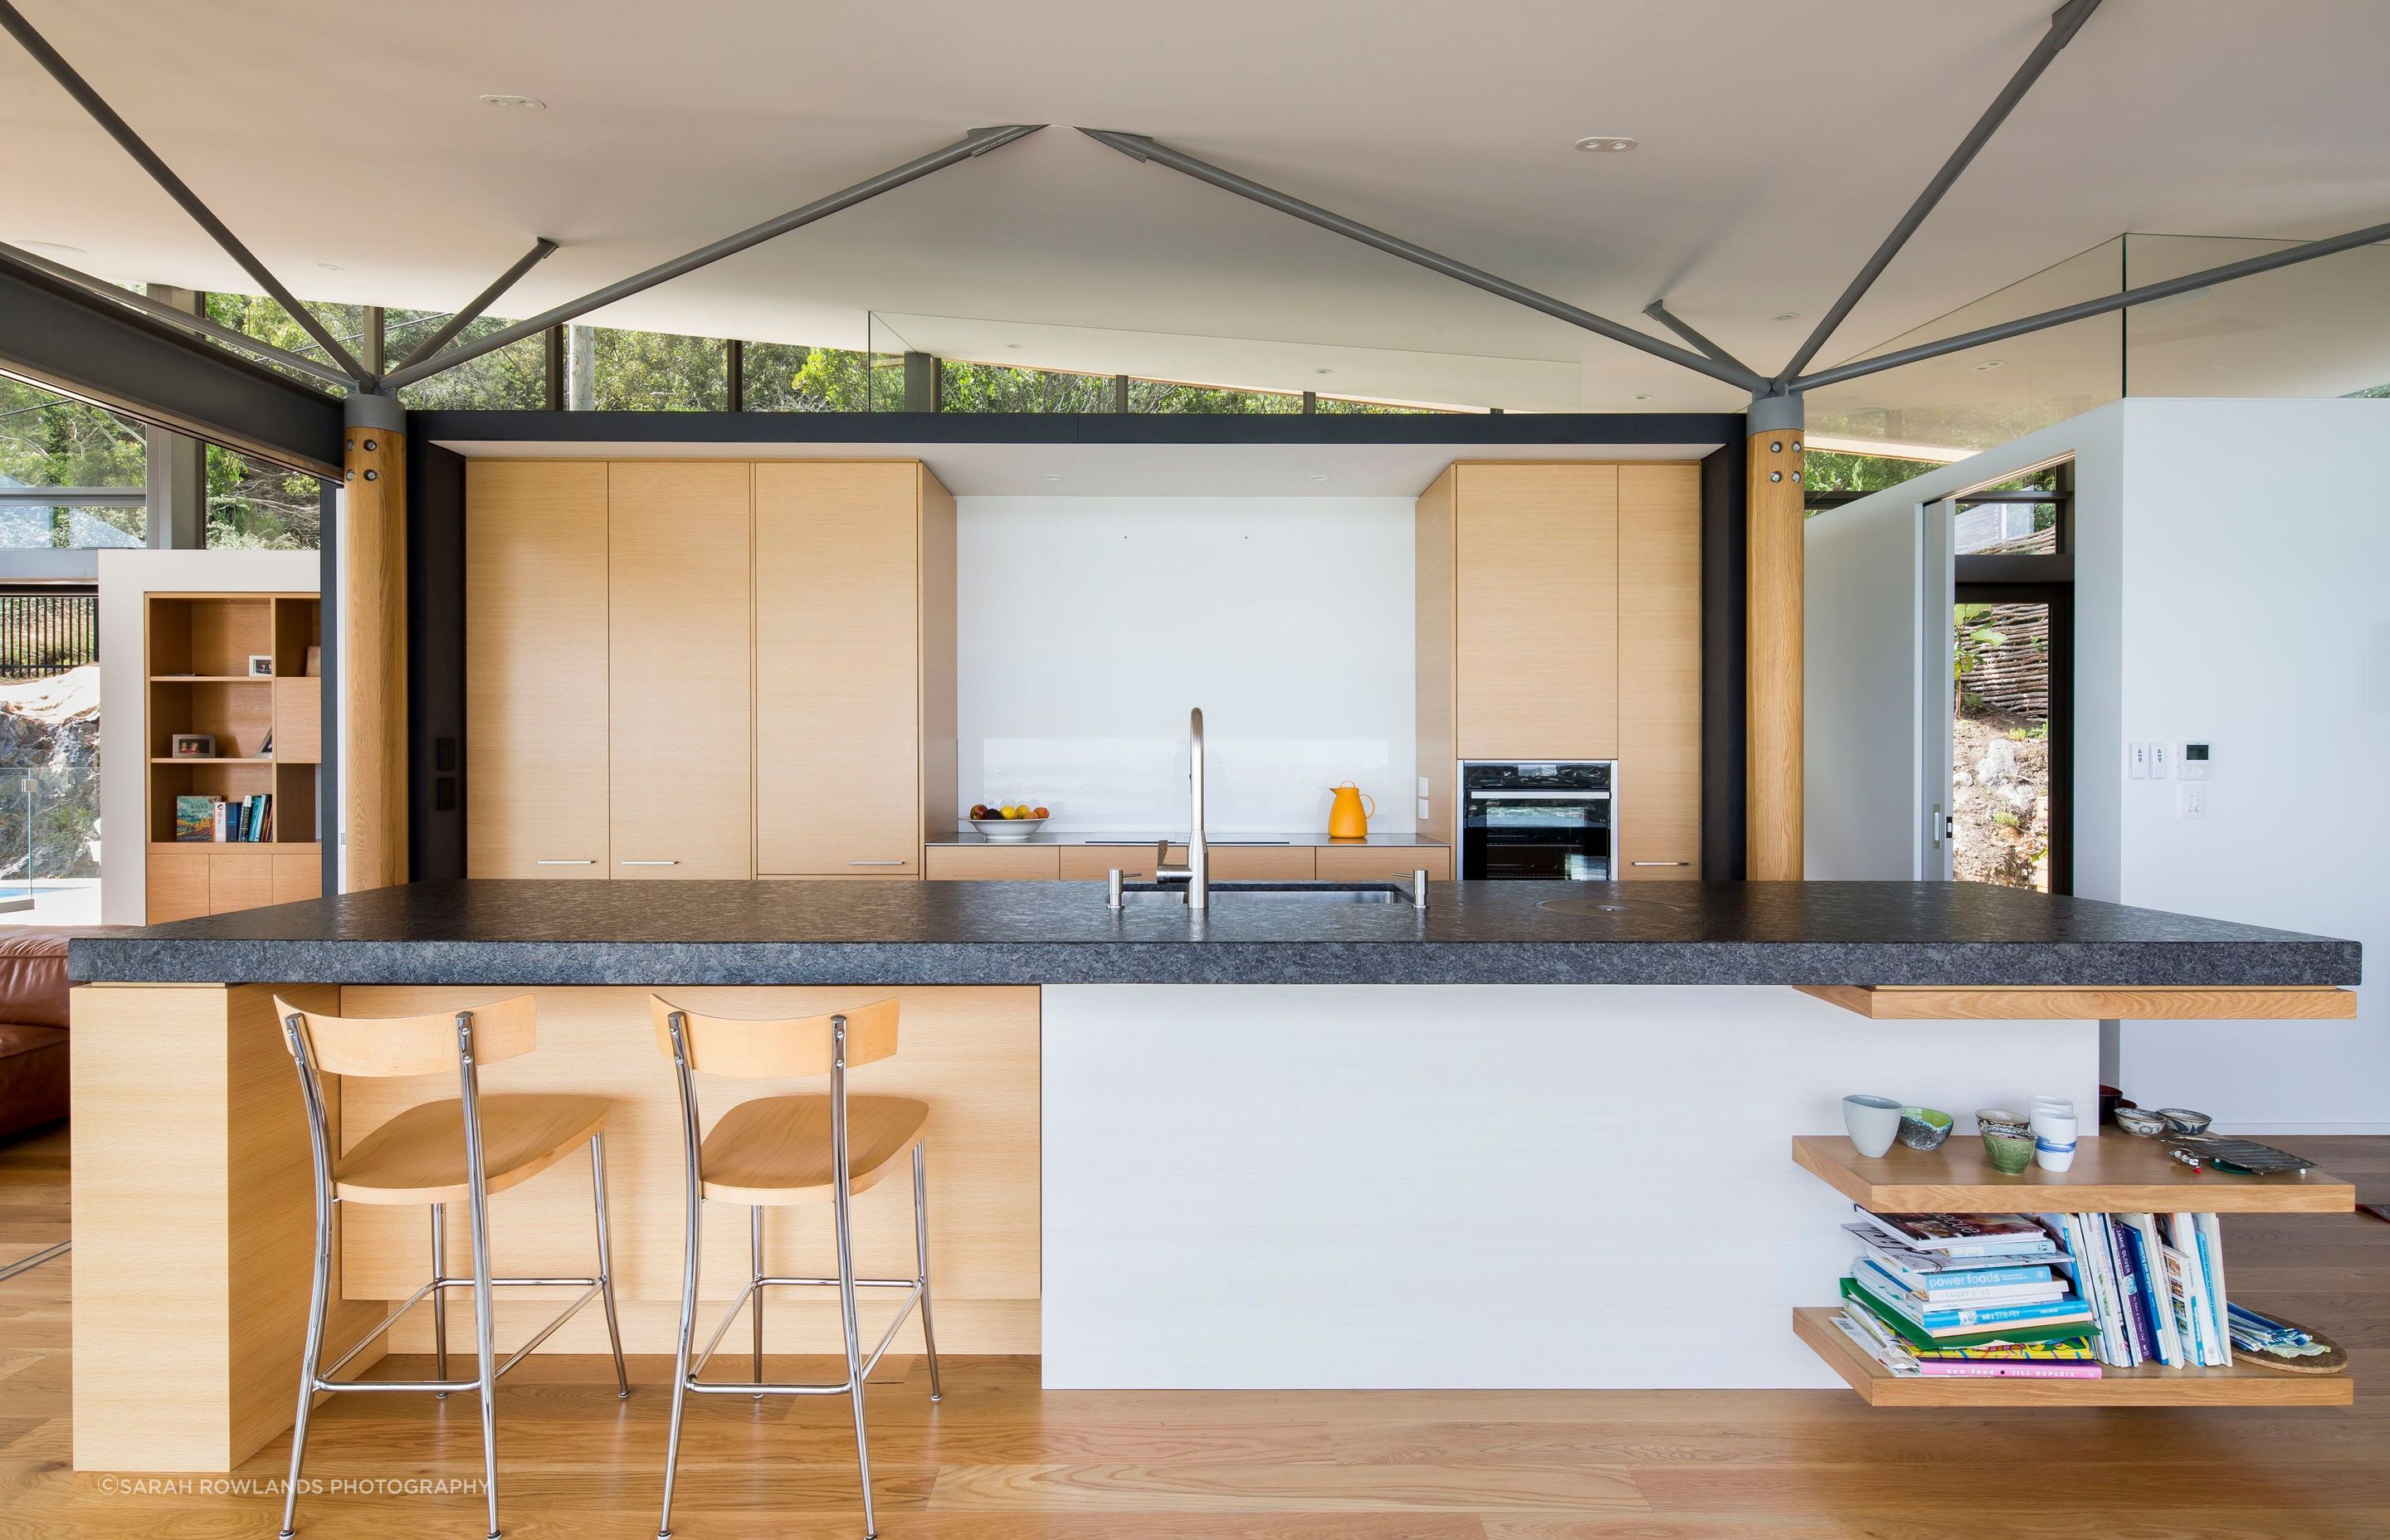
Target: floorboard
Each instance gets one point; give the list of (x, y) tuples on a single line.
[(1001, 1459)]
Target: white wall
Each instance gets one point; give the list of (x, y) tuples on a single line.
[(2232, 586), (1089, 626), (125, 579)]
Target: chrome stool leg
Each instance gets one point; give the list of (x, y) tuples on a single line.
[(311, 1357), (484, 1325), (439, 1297), (606, 1262), (921, 1267), (755, 1272), (844, 1221), (680, 1362)]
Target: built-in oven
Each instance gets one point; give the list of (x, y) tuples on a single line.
[(1548, 820)]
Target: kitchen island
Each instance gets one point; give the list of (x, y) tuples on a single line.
[(1534, 1135)]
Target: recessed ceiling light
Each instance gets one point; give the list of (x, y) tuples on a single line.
[(1990, 364), (1323, 371), (1320, 478), (1642, 396), (331, 267), (1788, 316), (59, 247), (1608, 143), (1012, 345), (528, 104), (1053, 478)]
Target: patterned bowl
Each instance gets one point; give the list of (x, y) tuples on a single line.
[(2182, 1119), (2140, 1122), (1924, 1128)]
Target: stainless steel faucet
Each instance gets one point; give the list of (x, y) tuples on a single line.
[(1196, 873)]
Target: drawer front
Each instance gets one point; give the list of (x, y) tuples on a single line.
[(1381, 863), (1258, 862), (993, 862), (1094, 863)]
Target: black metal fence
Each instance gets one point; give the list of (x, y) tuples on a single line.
[(43, 634)]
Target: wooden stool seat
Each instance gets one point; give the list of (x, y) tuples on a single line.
[(418, 1155), (777, 1150)]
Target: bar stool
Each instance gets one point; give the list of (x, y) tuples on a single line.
[(438, 1154), (780, 1151)]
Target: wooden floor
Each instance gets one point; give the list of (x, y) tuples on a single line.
[(1002, 1460)]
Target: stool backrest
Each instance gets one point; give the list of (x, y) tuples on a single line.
[(371, 1046), (785, 1048)]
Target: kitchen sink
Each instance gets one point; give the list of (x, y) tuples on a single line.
[(1238, 894)]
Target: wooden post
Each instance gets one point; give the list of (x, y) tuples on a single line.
[(373, 642), (1773, 696)]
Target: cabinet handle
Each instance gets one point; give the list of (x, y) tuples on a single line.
[(896, 862), (646, 862), (564, 863), (1659, 863)]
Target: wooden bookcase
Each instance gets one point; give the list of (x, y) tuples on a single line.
[(2113, 1174), (268, 732)]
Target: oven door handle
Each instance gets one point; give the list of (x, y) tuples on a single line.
[(1537, 796)]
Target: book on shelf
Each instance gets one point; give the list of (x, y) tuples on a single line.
[(1965, 1235), (212, 820), (1939, 1321), (1919, 1337), (1937, 1276), (2056, 1360), (195, 818)]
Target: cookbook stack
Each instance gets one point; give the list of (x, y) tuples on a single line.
[(1974, 1295)]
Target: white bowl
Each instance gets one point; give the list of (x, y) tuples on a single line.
[(1007, 832)]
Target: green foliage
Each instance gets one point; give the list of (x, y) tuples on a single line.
[(999, 387), (1155, 395), (257, 506), (1969, 638), (512, 378), (784, 377), (46, 440), (1832, 471), (2038, 731), (654, 371), (2005, 818)]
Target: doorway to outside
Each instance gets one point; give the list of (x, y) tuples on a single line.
[(49, 755), (2011, 648)]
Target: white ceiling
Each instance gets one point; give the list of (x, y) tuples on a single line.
[(1778, 144)]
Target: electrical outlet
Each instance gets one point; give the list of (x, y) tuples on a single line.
[(1422, 789), (1422, 807), (2190, 800)]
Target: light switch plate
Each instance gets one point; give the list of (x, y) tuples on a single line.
[(2161, 758), (2137, 762), (2190, 800), (1422, 807)]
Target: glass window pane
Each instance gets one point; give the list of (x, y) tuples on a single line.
[(2000, 748), (788, 376), (1155, 395), (258, 316), (1328, 407), (651, 371), (48, 440), (965, 387), (257, 506), (512, 378)]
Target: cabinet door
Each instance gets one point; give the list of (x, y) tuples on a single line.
[(298, 873), (1659, 671), (1537, 589), (239, 877), (993, 862), (176, 883), (1382, 863), (679, 670), (536, 668), (838, 649)]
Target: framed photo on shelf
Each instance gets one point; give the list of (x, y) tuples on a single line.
[(192, 746), (261, 665)]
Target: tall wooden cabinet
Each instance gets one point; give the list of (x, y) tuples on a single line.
[(707, 669), (535, 675), (680, 654), (1559, 617), (854, 666)]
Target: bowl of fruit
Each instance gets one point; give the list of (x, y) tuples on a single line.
[(1007, 823)]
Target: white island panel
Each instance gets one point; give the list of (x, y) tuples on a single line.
[(1451, 1186)]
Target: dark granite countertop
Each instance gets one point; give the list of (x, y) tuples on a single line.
[(599, 932), (1117, 837)]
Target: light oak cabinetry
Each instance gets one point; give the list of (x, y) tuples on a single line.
[(1559, 617), (1659, 671), (535, 680), (679, 658), (994, 863), (1380, 862), (854, 666)]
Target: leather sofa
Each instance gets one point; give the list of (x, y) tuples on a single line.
[(34, 1024)]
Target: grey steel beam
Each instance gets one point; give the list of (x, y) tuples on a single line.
[(60, 337), (2085, 308), (978, 142), (480, 303), (2064, 23), (121, 132), (1660, 312), (197, 325), (1140, 148)]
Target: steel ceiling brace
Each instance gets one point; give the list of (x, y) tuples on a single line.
[(2082, 310), (100, 288), (978, 142), (480, 303), (2064, 23), (1138, 146), (121, 132), (1659, 312)]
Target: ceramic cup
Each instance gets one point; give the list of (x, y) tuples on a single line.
[(2054, 1140), (2007, 1139), (2058, 1105), (1873, 1122)]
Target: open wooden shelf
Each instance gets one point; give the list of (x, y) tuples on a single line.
[(1935, 1002), (2149, 1385), (210, 679), (216, 759), (2114, 1174)]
